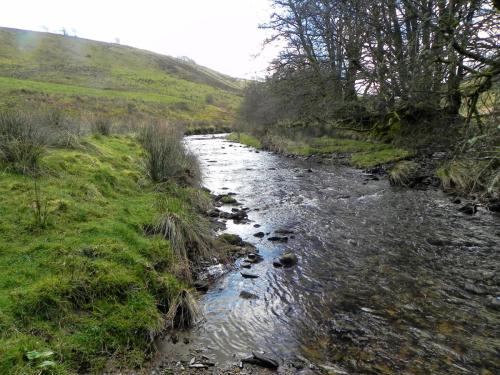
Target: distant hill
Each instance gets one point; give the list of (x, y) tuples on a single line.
[(80, 75)]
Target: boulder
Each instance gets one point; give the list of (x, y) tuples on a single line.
[(259, 234), (254, 258), (288, 259), (231, 239), (261, 360)]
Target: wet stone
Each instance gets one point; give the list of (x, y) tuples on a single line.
[(278, 239), (493, 302), (473, 288), (469, 209), (247, 275), (247, 295), (288, 259)]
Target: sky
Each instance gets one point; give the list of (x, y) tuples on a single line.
[(219, 34)]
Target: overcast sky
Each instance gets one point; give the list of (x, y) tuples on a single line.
[(220, 34)]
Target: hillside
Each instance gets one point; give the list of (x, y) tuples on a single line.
[(79, 75)]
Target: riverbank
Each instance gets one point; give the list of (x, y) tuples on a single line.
[(461, 179), (353, 152), (85, 285)]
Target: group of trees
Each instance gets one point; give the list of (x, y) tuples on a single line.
[(343, 59)]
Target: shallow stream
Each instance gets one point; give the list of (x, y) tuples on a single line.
[(388, 280)]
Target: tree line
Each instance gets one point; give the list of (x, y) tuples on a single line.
[(356, 61)]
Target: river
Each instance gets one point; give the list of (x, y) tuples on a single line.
[(389, 280)]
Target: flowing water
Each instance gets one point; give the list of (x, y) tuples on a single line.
[(389, 280)]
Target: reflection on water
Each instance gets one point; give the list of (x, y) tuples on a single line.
[(385, 280)]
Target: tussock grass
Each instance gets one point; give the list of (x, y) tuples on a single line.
[(22, 141), (184, 311), (401, 173), (101, 126), (167, 158), (188, 234), (466, 177)]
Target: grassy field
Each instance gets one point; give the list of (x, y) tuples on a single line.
[(78, 75), (81, 286)]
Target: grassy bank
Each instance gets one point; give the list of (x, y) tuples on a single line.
[(246, 139), (81, 286), (360, 154), (79, 75)]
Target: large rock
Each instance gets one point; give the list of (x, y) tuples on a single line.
[(261, 360), (288, 259), (254, 258), (231, 239)]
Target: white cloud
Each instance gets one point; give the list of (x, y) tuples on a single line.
[(220, 34)]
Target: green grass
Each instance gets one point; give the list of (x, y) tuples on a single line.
[(87, 286), (375, 158), (245, 139), (79, 75), (363, 154)]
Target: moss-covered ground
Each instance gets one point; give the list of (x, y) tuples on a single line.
[(81, 286)]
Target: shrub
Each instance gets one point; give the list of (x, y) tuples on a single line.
[(22, 141), (167, 157)]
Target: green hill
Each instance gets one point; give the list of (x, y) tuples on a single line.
[(79, 75)]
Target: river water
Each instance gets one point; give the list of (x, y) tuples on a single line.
[(389, 280)]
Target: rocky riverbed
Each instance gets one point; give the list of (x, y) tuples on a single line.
[(372, 278)]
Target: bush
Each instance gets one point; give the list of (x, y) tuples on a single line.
[(22, 141), (167, 158)]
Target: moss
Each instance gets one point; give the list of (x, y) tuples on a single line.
[(228, 199), (90, 285), (231, 239)]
